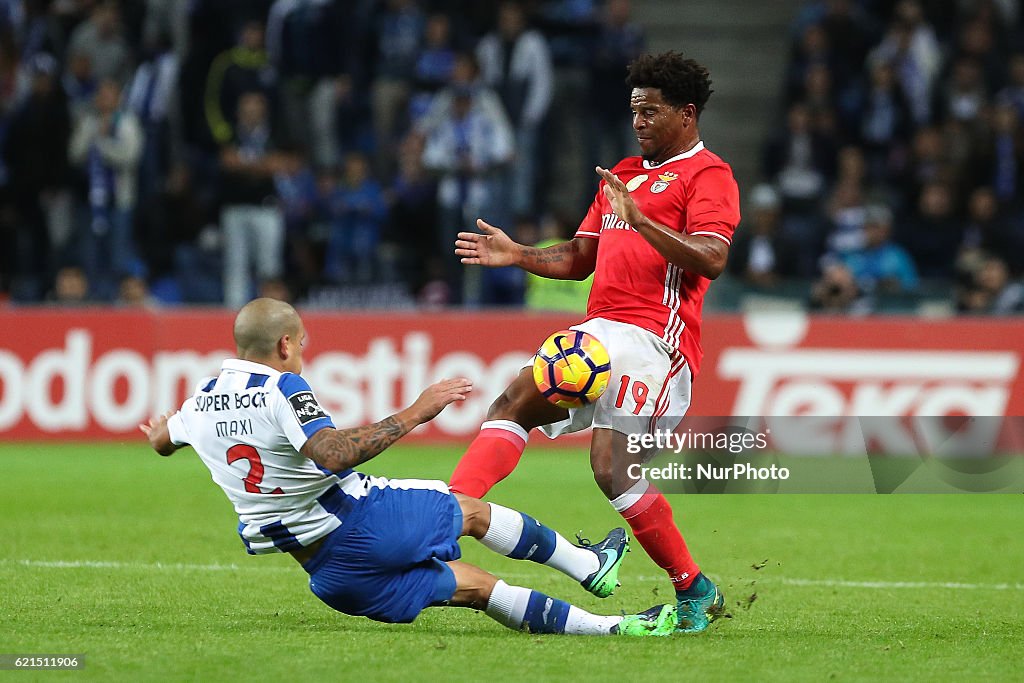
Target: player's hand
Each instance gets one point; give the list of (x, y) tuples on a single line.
[(158, 434), (618, 196), (438, 395), (492, 248)]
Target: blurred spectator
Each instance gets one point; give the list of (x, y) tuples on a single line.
[(999, 160), (434, 65), (79, 83), (70, 287), (933, 234), (912, 50), (312, 45), (885, 118), (101, 37), (847, 213), (989, 229), (990, 290), (297, 191), (515, 61), (399, 34), (239, 70), (800, 162), (617, 42), (35, 153), (964, 97), (1014, 90), (468, 142), (133, 292), (357, 212), (251, 220), (151, 96), (811, 49), (759, 255), (837, 292), (881, 265), (107, 145), (544, 294), (413, 220)]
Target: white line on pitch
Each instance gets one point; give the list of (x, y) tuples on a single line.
[(821, 583)]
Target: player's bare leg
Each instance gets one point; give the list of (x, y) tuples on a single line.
[(518, 536), (496, 450), (523, 609), (649, 515)]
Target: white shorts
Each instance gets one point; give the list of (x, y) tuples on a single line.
[(657, 383)]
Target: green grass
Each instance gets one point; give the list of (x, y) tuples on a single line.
[(135, 620)]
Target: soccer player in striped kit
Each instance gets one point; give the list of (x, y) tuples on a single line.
[(375, 547), (656, 234)]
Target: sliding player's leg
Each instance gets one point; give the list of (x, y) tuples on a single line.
[(496, 450), (517, 535), (522, 609), (649, 515)]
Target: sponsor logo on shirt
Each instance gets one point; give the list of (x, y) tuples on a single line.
[(636, 182), (610, 221), (305, 407)]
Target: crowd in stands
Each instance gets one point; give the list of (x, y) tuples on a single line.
[(328, 151), (203, 151), (898, 158)]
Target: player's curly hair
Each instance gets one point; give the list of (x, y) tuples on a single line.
[(682, 81)]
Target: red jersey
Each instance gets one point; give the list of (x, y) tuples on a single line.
[(693, 193)]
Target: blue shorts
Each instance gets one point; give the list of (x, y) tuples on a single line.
[(387, 559)]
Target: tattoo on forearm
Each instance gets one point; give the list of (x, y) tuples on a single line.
[(351, 447), (554, 254)]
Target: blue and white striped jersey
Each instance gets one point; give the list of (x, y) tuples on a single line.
[(248, 425)]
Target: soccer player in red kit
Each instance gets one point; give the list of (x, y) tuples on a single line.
[(656, 234)]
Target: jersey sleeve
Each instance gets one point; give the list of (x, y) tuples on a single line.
[(713, 208), (590, 227), (298, 413), (177, 428)]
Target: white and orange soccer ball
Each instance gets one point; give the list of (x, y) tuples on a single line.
[(571, 369)]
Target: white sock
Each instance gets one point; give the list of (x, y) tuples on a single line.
[(583, 623), (507, 604), (507, 529)]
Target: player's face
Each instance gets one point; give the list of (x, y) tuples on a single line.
[(661, 129)]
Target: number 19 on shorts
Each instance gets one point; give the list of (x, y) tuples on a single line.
[(639, 392)]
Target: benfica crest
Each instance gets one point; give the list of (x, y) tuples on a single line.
[(663, 181)]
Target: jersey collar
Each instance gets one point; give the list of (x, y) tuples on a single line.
[(685, 155), (248, 366)]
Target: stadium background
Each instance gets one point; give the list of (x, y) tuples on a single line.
[(112, 280), (878, 179)]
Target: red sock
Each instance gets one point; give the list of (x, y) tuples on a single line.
[(491, 457), (649, 515)]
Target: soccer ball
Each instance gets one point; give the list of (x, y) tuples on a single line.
[(571, 369)]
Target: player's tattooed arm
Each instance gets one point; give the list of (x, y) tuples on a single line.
[(340, 449), (572, 260)]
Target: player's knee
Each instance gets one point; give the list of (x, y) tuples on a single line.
[(504, 407), (476, 515)]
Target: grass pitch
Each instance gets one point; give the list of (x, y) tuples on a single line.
[(133, 560)]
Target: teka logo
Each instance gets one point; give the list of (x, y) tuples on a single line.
[(777, 378)]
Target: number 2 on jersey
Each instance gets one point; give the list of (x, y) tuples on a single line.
[(255, 475), (640, 392)]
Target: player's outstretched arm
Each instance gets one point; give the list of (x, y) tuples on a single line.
[(697, 253), (158, 434), (341, 449), (572, 260)]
